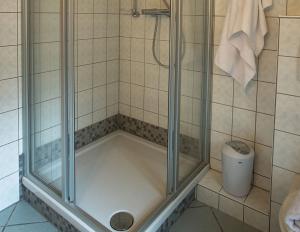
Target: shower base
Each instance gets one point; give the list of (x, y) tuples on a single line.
[(122, 172)]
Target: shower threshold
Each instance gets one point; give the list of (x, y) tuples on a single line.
[(122, 172)]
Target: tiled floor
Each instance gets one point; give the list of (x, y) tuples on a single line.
[(201, 218), (21, 217)]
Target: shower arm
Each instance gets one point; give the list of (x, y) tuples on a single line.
[(135, 12)]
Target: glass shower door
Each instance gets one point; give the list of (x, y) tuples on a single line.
[(191, 90), (45, 92)]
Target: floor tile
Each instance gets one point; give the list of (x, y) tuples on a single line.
[(196, 204), (4, 215), (196, 220), (36, 227), (24, 213), (230, 224)]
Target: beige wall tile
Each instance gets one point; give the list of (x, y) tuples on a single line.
[(272, 36), (258, 200), (221, 118), (8, 5), (245, 99), (267, 68), (293, 8), (264, 129), (231, 208), (216, 164), (244, 124), (263, 160), (256, 219), (266, 95), (8, 29), (281, 182), (289, 37), (288, 75), (286, 151), (287, 113), (207, 197), (222, 90), (218, 140), (221, 7), (274, 218), (262, 182)]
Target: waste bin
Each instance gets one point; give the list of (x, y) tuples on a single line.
[(237, 163)]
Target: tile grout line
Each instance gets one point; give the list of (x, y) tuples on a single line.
[(15, 206), (218, 222)]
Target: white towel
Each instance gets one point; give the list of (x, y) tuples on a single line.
[(242, 38), (290, 209)]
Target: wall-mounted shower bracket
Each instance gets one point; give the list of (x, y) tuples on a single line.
[(135, 13)]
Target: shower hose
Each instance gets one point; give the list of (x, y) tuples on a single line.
[(154, 44)]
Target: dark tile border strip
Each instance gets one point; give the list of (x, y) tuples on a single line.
[(52, 151), (144, 130), (95, 131), (63, 225), (50, 214), (21, 173), (173, 218), (155, 134)]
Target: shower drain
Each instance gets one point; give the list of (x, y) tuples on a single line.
[(121, 221)]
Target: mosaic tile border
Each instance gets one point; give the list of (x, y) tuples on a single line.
[(63, 225), (158, 135), (50, 214), (181, 208), (48, 153), (87, 135), (21, 172), (155, 134), (95, 131), (144, 130)]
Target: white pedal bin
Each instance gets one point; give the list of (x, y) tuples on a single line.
[(237, 163)]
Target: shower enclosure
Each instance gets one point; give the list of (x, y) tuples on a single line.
[(116, 106)]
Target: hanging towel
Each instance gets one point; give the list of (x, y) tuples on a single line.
[(290, 209), (242, 38)]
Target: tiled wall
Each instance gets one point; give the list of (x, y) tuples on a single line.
[(10, 102), (269, 108), (143, 83), (246, 116), (97, 60), (286, 158)]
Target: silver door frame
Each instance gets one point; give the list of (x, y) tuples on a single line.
[(27, 67), (175, 91)]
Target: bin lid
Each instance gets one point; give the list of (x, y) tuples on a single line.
[(240, 147)]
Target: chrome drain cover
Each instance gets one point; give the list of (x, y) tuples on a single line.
[(121, 221)]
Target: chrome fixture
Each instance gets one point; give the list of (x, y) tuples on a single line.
[(156, 12), (121, 221), (135, 12)]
